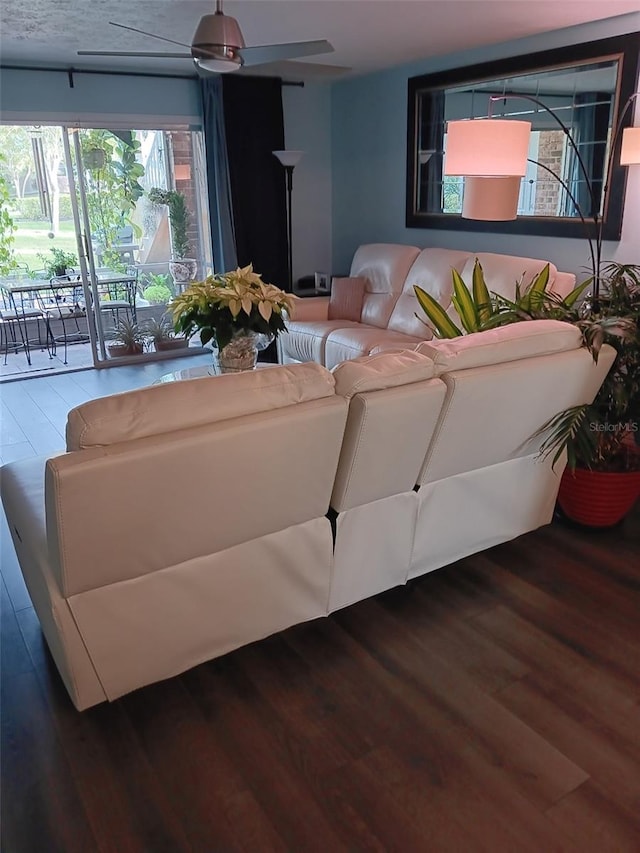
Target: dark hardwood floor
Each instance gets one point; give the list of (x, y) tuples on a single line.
[(493, 705)]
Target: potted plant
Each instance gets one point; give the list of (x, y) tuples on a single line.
[(163, 335), (59, 263), (602, 480), (479, 309), (183, 269), (237, 311), (128, 339), (602, 440)]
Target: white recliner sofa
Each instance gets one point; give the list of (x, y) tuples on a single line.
[(389, 306), (187, 519)]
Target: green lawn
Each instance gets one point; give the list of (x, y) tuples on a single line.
[(31, 239)]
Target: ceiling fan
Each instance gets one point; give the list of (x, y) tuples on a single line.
[(218, 46)]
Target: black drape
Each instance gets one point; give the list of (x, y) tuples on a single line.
[(254, 127)]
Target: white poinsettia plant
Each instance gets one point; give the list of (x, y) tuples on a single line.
[(223, 305)]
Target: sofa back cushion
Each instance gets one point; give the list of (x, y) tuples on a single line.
[(502, 386), (497, 346), (179, 405), (385, 267), (381, 371), (431, 270), (390, 395), (502, 272), (125, 509)]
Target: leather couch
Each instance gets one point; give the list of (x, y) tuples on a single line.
[(187, 519), (389, 306)]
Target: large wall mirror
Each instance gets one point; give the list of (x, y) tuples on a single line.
[(585, 86)]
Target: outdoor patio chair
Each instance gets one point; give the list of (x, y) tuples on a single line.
[(16, 311), (64, 302), (119, 295)]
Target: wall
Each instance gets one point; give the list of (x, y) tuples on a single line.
[(369, 125), (130, 101), (307, 127)]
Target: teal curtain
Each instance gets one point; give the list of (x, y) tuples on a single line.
[(218, 177)]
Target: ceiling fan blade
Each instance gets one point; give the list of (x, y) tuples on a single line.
[(133, 53), (151, 35), (274, 52), (290, 69)]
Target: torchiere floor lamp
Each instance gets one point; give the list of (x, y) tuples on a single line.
[(289, 160)]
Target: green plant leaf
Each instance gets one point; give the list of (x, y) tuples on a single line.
[(481, 295), (536, 291), (464, 304), (570, 431), (438, 317), (571, 298)]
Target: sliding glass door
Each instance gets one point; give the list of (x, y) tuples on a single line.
[(116, 221)]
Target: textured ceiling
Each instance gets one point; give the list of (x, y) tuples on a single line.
[(367, 34)]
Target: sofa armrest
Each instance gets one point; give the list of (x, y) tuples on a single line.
[(313, 308)]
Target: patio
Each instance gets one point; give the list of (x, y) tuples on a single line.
[(78, 358)]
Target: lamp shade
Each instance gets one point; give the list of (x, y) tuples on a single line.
[(182, 172), (487, 147), (630, 152), (491, 199), (289, 158)]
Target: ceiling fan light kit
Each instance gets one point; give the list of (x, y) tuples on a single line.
[(216, 43)]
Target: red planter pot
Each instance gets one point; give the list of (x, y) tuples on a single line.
[(598, 498)]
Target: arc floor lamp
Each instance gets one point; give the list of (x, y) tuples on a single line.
[(289, 160), (492, 155)]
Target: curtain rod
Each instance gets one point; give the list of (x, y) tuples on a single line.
[(99, 71)]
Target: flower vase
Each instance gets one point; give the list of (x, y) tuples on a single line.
[(239, 354)]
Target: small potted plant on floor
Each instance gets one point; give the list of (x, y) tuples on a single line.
[(183, 269), (163, 335), (128, 339)]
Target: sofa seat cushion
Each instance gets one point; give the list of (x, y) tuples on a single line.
[(353, 342), (305, 339), (527, 339)]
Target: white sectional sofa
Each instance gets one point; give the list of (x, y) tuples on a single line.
[(389, 306), (187, 519)]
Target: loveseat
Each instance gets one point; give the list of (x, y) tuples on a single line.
[(187, 519), (384, 315)]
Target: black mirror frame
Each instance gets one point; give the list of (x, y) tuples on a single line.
[(624, 46)]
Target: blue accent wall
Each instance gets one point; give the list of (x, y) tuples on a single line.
[(46, 96), (369, 127)]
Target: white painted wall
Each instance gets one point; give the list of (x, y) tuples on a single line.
[(369, 126)]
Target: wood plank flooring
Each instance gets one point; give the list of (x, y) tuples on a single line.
[(493, 705)]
